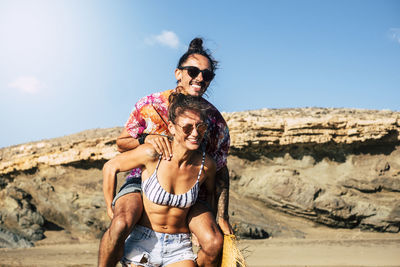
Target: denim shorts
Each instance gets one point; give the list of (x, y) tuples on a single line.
[(131, 185), (144, 247)]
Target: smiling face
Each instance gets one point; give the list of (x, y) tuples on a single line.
[(192, 140), (193, 86)]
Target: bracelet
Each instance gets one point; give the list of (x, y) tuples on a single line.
[(142, 138)]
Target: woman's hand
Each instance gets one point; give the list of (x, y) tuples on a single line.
[(161, 144), (225, 226)]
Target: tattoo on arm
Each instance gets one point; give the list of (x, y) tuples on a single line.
[(223, 203), (222, 190)]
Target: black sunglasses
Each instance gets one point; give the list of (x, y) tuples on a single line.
[(193, 71), (201, 128)]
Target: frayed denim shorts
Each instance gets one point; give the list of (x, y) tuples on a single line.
[(144, 247)]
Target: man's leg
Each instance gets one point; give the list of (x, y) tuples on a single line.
[(127, 211), (202, 224)]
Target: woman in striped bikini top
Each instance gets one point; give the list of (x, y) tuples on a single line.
[(153, 190), (170, 187)]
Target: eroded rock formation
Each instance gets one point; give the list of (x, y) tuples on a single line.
[(338, 167), (55, 184)]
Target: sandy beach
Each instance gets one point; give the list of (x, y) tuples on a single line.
[(332, 248), (297, 242)]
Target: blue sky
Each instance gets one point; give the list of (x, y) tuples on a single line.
[(68, 66)]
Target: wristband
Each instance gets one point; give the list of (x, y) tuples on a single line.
[(142, 138)]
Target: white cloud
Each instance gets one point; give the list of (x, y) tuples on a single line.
[(394, 34), (167, 38), (27, 84)]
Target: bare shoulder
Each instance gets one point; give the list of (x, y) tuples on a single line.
[(148, 151), (142, 154)]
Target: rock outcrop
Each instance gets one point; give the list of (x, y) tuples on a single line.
[(338, 167), (319, 132), (55, 184)]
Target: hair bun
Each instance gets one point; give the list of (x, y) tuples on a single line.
[(196, 44), (180, 103), (175, 97), (196, 47)]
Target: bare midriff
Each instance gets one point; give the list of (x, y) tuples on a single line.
[(164, 219)]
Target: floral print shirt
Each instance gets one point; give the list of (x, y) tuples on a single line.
[(150, 115)]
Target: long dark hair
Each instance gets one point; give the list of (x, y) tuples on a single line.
[(196, 47), (179, 103)]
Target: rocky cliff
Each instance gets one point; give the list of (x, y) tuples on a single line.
[(338, 167)]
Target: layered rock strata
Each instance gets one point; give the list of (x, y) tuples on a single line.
[(55, 184), (339, 167)]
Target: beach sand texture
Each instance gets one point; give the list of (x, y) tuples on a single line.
[(318, 245), (369, 250)]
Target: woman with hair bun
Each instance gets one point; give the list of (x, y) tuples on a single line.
[(148, 124)]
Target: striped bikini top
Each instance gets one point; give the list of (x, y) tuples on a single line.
[(156, 194)]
